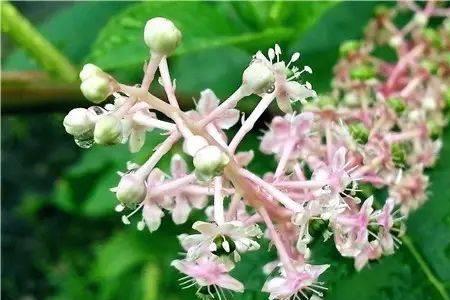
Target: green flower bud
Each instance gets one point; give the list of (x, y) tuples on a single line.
[(258, 77), (432, 36), (359, 132), (381, 10), (399, 152), (326, 102), (209, 162), (434, 130), (131, 190), (363, 72), (224, 246), (447, 100), (349, 47), (78, 122), (96, 88), (108, 130), (161, 36), (430, 66), (397, 104)]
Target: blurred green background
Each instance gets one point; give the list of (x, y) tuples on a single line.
[(61, 238)]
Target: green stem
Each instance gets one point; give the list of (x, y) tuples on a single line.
[(26, 36), (425, 268)]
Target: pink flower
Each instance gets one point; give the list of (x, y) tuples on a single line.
[(350, 229), (228, 238), (295, 284), (209, 275), (370, 251), (152, 212), (207, 103), (386, 220), (334, 175), (410, 190), (290, 129), (184, 199)]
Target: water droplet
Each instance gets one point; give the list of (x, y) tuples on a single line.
[(270, 89), (85, 140), (97, 110)]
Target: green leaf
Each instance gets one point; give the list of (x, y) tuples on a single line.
[(216, 44)]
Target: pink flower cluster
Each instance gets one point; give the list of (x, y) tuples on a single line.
[(379, 128)]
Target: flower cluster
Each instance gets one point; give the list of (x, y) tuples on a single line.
[(378, 129)]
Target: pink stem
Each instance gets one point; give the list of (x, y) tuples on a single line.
[(150, 71), (250, 121), (167, 82), (402, 63), (284, 159), (307, 184), (172, 185), (282, 252), (232, 210), (219, 216), (274, 192)]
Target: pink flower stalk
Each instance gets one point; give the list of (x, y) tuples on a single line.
[(379, 127)]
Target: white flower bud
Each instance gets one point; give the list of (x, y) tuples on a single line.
[(209, 162), (96, 88), (421, 19), (131, 190), (194, 143), (90, 70), (429, 103), (108, 130), (258, 77), (161, 35), (78, 122)]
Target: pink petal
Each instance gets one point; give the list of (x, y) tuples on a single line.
[(228, 119), (181, 210), (228, 282), (178, 167), (152, 216), (338, 162), (208, 102), (284, 104)]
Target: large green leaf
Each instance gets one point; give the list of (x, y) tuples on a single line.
[(216, 46)]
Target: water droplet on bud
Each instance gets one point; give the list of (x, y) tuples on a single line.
[(270, 89), (84, 141)]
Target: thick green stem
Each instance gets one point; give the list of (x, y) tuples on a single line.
[(26, 36)]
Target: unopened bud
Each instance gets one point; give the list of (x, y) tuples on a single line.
[(209, 162), (131, 190), (421, 19), (434, 130), (258, 77), (359, 133), (349, 47), (397, 104), (78, 122), (194, 143), (399, 153), (90, 70), (96, 88), (363, 72), (161, 35), (108, 130)]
